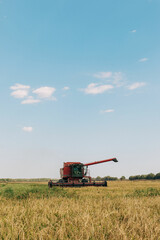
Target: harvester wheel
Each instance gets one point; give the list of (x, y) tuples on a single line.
[(50, 184), (105, 183), (61, 181)]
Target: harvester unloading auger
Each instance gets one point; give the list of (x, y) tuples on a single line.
[(74, 174)]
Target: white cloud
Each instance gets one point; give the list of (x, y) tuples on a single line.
[(136, 85), (66, 88), (102, 75), (143, 60), (134, 31), (107, 111), (19, 86), (44, 92), (30, 100), (20, 93), (53, 98), (118, 79), (95, 88), (27, 129)]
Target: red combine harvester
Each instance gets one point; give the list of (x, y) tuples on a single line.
[(74, 174)]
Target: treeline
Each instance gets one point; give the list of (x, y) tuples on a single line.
[(107, 178), (149, 176), (24, 180)]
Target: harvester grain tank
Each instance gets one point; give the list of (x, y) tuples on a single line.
[(74, 174)]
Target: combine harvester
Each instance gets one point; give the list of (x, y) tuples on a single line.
[(74, 174)]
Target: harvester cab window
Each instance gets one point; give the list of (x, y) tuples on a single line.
[(85, 170), (77, 170)]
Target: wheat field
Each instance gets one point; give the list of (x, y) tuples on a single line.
[(123, 210)]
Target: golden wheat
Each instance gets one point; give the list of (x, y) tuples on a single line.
[(125, 210)]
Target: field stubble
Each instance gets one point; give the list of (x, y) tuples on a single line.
[(124, 210)]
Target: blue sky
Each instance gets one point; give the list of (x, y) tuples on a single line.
[(79, 81)]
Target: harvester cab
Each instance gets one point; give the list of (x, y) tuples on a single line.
[(71, 170), (75, 174)]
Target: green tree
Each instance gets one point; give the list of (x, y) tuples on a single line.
[(150, 176), (98, 178), (143, 176), (157, 176), (122, 178)]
